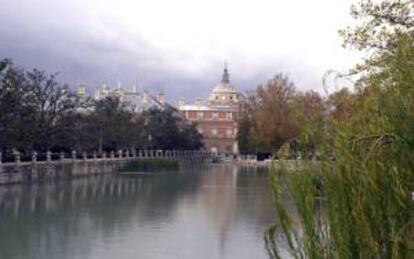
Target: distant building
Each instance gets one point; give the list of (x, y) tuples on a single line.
[(137, 100), (217, 118)]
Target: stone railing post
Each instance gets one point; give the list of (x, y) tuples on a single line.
[(103, 155), (62, 156), (34, 157), (140, 153), (145, 153), (127, 154), (112, 155), (94, 155), (119, 154), (17, 157), (84, 156), (48, 156), (73, 156), (134, 153)]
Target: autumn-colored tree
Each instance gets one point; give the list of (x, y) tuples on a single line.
[(274, 120), (365, 178)]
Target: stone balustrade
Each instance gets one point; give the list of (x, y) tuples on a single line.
[(43, 166)]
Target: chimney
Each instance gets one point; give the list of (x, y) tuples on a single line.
[(81, 91), (161, 97), (181, 102)]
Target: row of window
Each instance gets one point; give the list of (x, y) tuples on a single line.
[(223, 97), (214, 132), (214, 115)]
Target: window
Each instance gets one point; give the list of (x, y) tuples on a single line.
[(214, 132), (200, 115), (229, 116), (215, 115), (229, 133), (223, 98)]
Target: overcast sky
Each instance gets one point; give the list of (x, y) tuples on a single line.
[(179, 46)]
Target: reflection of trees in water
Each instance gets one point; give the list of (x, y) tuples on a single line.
[(43, 217), (253, 186), (257, 193), (239, 195), (219, 200), (233, 195), (67, 219)]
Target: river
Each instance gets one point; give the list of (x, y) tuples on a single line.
[(209, 211)]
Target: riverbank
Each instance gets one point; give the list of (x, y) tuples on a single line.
[(66, 168)]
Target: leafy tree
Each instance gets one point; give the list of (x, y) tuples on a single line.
[(190, 137), (366, 207)]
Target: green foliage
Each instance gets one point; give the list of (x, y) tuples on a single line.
[(356, 201), (165, 129), (149, 165)]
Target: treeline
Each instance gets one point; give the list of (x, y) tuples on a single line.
[(279, 119), (39, 113), (276, 113)]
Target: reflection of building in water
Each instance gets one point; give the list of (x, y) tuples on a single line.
[(217, 119), (219, 196)]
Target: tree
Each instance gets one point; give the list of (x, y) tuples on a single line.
[(267, 116), (366, 206), (51, 102), (246, 136), (190, 137), (16, 124), (39, 113)]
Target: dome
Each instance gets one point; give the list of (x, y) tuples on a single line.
[(224, 93), (224, 86)]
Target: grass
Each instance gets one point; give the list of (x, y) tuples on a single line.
[(357, 203), (149, 165)]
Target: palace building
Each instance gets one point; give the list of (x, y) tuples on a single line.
[(217, 118), (136, 101)]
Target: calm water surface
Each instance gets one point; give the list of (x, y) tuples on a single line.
[(215, 211)]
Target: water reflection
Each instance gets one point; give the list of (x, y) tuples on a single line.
[(217, 211)]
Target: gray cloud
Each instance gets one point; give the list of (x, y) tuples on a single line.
[(58, 38)]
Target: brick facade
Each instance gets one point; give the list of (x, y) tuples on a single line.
[(217, 120)]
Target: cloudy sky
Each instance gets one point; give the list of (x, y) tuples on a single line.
[(179, 46)]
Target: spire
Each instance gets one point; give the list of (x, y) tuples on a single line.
[(226, 77)]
